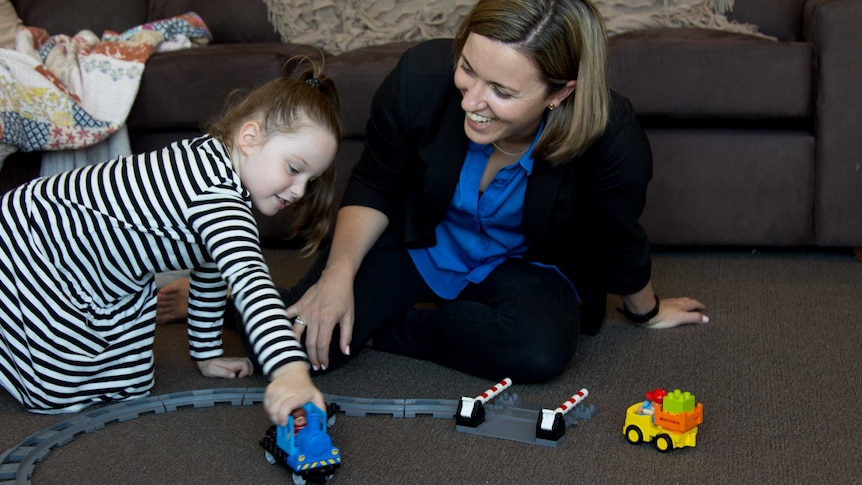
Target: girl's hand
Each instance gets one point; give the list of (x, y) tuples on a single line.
[(226, 367), (291, 388), (674, 312), (326, 304)]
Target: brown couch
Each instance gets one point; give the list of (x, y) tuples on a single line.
[(756, 142)]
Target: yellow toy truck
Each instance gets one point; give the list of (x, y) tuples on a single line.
[(670, 420)]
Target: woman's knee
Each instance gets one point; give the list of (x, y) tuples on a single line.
[(539, 359), (541, 366)]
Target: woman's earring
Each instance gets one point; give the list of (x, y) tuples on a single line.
[(552, 106)]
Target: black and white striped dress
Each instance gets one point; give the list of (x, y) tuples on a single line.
[(78, 254)]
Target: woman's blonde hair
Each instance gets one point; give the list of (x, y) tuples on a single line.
[(565, 40), (282, 105)]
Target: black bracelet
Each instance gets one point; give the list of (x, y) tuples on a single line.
[(641, 317)]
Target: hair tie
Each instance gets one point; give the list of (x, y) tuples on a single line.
[(312, 81)]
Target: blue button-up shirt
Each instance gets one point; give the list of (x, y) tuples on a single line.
[(480, 230)]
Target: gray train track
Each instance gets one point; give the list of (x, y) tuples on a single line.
[(17, 463)]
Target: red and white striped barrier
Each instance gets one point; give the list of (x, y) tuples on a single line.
[(494, 390), (548, 415), (467, 403)]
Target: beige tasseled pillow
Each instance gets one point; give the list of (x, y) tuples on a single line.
[(10, 24)]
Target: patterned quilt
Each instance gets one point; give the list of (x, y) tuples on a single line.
[(59, 92)]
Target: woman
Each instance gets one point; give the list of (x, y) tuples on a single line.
[(511, 195)]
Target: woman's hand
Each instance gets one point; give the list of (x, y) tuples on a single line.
[(291, 388), (330, 301), (226, 367), (326, 304), (674, 312)]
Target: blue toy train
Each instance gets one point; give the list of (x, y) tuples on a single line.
[(303, 446)]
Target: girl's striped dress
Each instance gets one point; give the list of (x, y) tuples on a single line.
[(78, 254)]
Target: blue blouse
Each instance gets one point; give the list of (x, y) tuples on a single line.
[(480, 230)]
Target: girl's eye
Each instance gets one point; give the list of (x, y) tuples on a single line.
[(466, 69), (292, 170)]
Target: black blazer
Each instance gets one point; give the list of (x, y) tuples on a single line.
[(581, 216)]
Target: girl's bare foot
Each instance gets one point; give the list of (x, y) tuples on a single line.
[(173, 302)]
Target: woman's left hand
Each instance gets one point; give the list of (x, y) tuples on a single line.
[(674, 312), (226, 367)]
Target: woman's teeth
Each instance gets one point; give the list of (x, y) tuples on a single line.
[(479, 118)]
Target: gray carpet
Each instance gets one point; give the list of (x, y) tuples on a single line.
[(778, 371)]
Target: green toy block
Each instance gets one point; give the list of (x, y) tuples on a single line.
[(678, 402)]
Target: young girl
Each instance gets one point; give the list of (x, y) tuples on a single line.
[(80, 249)]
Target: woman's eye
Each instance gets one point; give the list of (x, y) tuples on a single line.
[(501, 94), (466, 69), (292, 170)]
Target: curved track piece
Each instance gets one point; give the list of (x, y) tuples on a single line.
[(17, 463)]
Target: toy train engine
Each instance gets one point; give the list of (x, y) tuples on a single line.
[(303, 446)]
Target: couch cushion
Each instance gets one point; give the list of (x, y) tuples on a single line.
[(731, 187), (186, 88), (357, 75), (230, 21), (778, 18), (72, 16), (698, 73)]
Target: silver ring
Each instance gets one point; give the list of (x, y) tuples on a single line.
[(299, 321)]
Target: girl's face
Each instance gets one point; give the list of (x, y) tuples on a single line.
[(504, 97), (276, 170)]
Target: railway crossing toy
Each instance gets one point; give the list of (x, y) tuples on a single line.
[(515, 421), (670, 420)]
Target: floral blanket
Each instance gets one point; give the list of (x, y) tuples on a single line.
[(59, 92)]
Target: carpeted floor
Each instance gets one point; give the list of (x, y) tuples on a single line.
[(778, 371)]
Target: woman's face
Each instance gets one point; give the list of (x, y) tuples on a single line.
[(504, 97)]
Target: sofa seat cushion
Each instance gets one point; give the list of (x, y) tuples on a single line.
[(731, 187), (186, 89), (699, 73)]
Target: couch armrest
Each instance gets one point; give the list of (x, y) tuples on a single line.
[(834, 28)]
